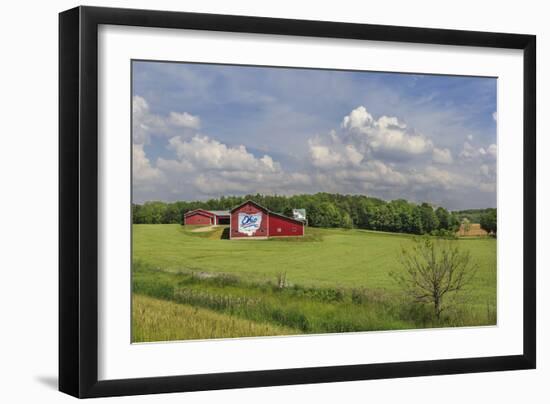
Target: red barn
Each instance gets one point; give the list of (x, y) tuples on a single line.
[(251, 220), (201, 217)]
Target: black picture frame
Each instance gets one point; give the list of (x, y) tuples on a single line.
[(78, 196)]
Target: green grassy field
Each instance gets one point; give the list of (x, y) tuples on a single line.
[(161, 320), (336, 280)]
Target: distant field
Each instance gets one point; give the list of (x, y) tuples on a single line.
[(344, 273), (339, 258)]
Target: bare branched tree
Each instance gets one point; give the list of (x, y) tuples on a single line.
[(433, 269)]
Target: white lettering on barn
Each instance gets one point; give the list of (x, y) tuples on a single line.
[(249, 223)]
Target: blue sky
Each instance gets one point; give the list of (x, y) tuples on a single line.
[(203, 131)]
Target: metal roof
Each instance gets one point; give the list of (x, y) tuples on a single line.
[(219, 212)]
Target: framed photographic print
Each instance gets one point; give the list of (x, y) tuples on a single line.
[(250, 201)]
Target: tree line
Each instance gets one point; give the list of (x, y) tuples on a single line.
[(324, 210)]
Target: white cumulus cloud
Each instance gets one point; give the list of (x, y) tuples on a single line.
[(334, 155), (385, 135), (143, 172), (185, 120), (208, 167), (469, 152), (377, 156), (146, 124), (442, 156), (492, 151), (205, 153), (382, 156)]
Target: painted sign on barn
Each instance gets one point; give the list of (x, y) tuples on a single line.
[(249, 223)]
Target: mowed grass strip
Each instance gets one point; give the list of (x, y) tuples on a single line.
[(155, 320)]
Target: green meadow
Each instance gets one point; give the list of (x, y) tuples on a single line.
[(190, 284), (162, 320)]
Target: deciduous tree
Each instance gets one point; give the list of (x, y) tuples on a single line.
[(431, 270), (488, 221)]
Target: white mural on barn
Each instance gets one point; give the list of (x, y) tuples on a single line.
[(249, 223)]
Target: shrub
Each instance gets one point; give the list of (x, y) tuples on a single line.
[(432, 270), (445, 234)]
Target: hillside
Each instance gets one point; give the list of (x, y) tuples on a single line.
[(332, 280)]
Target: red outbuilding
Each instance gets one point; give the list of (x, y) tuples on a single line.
[(201, 217), (251, 220)]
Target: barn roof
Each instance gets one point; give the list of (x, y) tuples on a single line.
[(220, 212), (266, 210), (191, 212), (209, 212), (252, 202)]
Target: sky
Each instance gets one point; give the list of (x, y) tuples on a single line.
[(202, 131)]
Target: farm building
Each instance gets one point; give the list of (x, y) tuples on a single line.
[(251, 220), (203, 217), (471, 230)]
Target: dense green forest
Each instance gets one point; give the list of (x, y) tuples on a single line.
[(327, 210), (474, 215)]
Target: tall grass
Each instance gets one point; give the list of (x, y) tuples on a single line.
[(161, 320), (295, 307)]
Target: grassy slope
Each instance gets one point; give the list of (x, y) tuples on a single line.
[(309, 310), (339, 258), (160, 320)]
